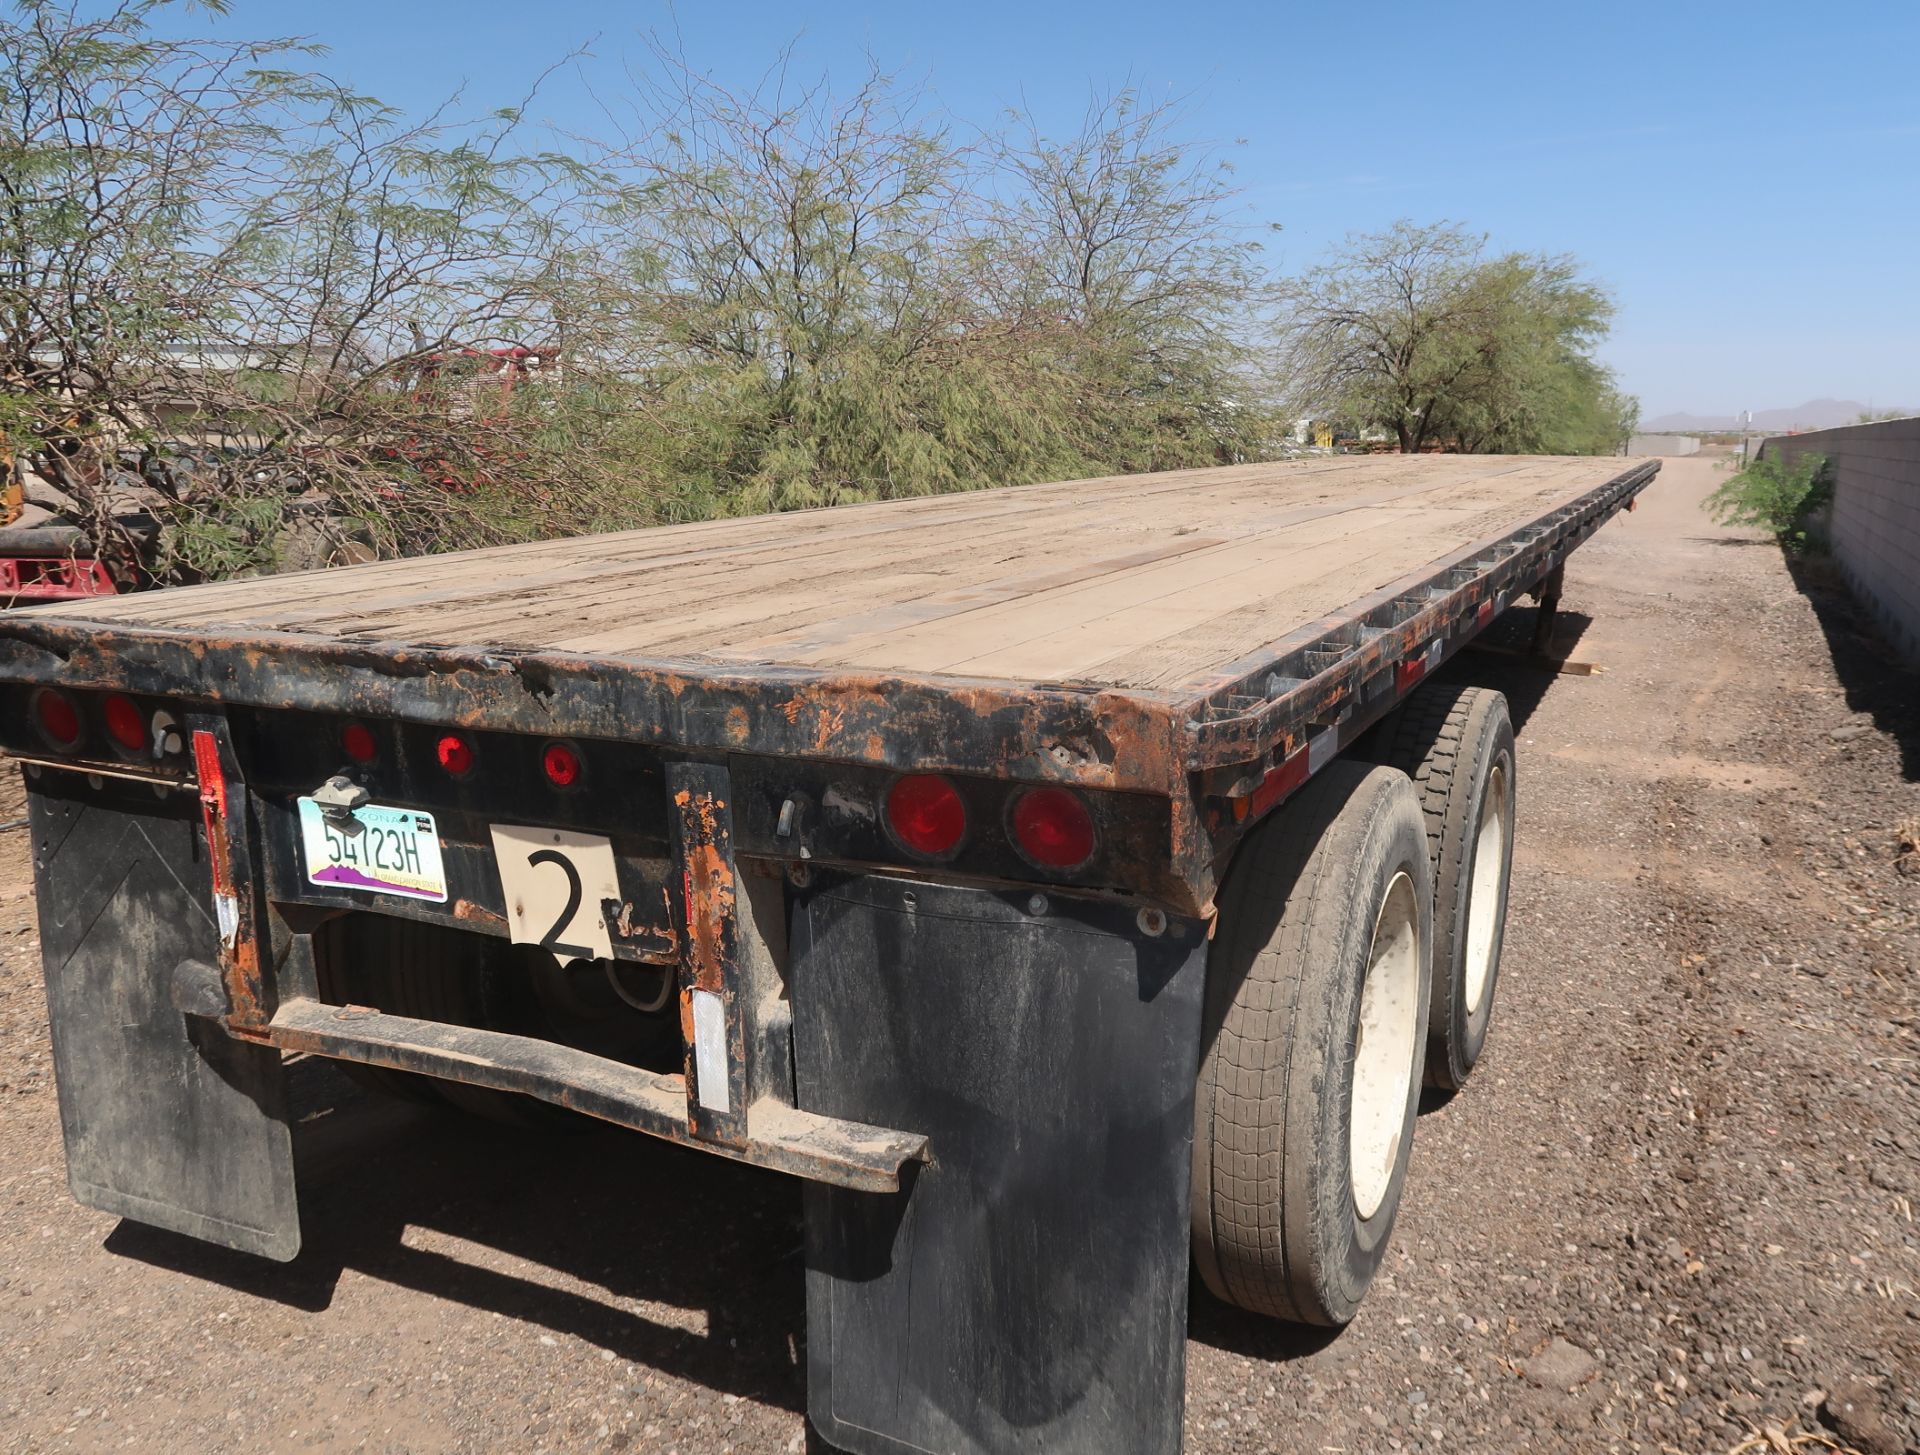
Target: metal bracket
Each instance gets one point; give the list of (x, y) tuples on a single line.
[(338, 797), (700, 817), (238, 900)]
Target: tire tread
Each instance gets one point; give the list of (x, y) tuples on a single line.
[(1250, 1108)]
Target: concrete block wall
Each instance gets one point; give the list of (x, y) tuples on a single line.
[(1876, 515), (1664, 444)]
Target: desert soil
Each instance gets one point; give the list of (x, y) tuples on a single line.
[(1673, 1209)]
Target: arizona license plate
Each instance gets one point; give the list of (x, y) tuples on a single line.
[(386, 850)]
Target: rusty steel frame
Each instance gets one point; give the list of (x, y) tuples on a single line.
[(239, 894), (1213, 749), (701, 820), (820, 1148)]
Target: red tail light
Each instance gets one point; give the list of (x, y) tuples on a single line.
[(127, 724), (1053, 828), (359, 743), (562, 764), (455, 754), (57, 718), (925, 813)]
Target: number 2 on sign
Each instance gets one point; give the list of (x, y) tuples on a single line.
[(551, 939), (554, 882)]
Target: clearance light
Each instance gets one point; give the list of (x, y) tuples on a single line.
[(562, 764), (127, 724), (57, 718), (925, 813), (455, 754), (1053, 828), (359, 743)]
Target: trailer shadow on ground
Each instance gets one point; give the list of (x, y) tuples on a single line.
[(626, 1243), (1502, 658), (1875, 680), (1253, 1336), (678, 1261)]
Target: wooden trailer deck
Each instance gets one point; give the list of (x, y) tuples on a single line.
[(1144, 582)]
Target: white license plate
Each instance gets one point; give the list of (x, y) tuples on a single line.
[(384, 850)]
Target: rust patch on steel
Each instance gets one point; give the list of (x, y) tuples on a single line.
[(240, 961), (479, 914), (707, 888), (828, 728), (847, 1154)]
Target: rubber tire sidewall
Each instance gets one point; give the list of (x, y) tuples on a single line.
[(1276, 1227), (1457, 1036), (1447, 737)]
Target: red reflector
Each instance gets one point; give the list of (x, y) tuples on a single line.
[(1053, 828), (455, 754), (58, 718), (126, 723), (562, 765), (360, 744), (926, 813)]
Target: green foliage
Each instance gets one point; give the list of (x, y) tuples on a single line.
[(1417, 331), (280, 302), (282, 317), (1776, 495)]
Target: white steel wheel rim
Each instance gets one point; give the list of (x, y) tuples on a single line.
[(1489, 873), (1383, 1047)]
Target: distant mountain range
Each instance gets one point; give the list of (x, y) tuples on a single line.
[(1814, 414)]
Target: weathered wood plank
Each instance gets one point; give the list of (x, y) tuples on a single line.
[(1145, 581)]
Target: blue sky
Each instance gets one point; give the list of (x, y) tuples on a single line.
[(1745, 177)]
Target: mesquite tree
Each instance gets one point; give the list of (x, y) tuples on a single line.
[(251, 303), (1418, 331), (234, 294)]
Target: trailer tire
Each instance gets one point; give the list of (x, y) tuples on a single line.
[(1456, 744), (1303, 1125)]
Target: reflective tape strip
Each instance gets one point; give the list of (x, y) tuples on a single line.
[(1410, 672), (213, 809), (710, 1051), (227, 907), (1322, 748)]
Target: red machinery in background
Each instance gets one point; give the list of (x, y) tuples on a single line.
[(43, 562)]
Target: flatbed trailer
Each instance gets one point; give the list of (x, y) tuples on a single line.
[(1070, 882)]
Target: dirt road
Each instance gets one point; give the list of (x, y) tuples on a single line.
[(1675, 1205)]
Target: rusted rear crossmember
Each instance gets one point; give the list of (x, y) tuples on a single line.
[(824, 1149)]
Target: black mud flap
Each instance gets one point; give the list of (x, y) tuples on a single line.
[(1028, 1290), (168, 1120)]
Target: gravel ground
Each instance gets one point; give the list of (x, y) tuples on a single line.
[(1673, 1210)]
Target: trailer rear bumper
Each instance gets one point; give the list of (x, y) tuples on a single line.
[(175, 988), (824, 1149)]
